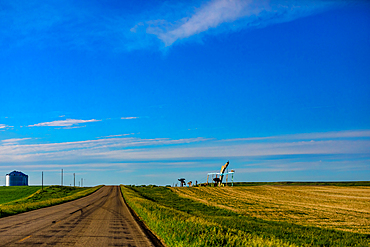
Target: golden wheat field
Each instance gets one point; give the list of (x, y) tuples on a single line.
[(342, 208)]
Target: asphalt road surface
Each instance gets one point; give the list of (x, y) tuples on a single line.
[(100, 219)]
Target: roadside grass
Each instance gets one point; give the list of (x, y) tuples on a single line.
[(50, 196), (11, 193), (181, 221)]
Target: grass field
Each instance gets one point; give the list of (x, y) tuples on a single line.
[(49, 196), (11, 193), (343, 208), (254, 216), (349, 183)]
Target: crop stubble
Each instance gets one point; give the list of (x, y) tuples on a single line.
[(341, 208)]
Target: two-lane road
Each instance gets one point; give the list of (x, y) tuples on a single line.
[(100, 219)]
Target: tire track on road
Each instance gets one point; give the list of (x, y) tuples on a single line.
[(100, 219)]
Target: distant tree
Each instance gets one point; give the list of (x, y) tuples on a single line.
[(182, 181)]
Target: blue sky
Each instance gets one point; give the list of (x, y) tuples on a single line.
[(146, 92)]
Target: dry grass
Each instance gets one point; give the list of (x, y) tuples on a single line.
[(341, 208), (182, 229)]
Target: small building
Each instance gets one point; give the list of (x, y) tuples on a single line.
[(16, 178)]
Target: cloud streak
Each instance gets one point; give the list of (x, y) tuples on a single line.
[(129, 117), (342, 151), (127, 149), (208, 16), (232, 15), (85, 149), (64, 123), (310, 136), (14, 140), (118, 135), (67, 24), (4, 126)]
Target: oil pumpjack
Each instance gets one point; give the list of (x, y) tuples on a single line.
[(223, 168), (221, 174)]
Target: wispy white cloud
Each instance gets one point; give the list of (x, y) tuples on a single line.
[(331, 135), (229, 15), (4, 126), (14, 140), (85, 149), (210, 15), (121, 135), (64, 123), (73, 127), (129, 117), (345, 151), (249, 139), (67, 24), (128, 149), (213, 150), (335, 162), (310, 136)]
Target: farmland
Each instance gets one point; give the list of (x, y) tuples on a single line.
[(342, 208), (24, 200), (255, 215)]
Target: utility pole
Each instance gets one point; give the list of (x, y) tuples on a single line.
[(82, 182), (74, 179), (61, 183), (42, 181)]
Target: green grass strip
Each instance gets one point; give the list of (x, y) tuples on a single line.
[(49, 196), (11, 193), (178, 228), (184, 222)]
